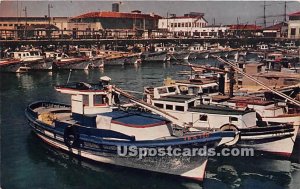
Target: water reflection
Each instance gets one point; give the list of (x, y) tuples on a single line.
[(239, 172)]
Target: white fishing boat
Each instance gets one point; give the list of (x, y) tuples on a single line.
[(202, 114), (34, 60), (63, 61), (93, 128)]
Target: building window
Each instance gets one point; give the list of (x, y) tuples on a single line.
[(169, 107), (4, 24), (203, 117), (0, 24), (190, 24), (293, 31), (175, 25), (182, 24), (172, 25), (10, 24), (159, 105), (179, 108)]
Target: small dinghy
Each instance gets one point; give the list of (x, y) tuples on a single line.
[(93, 128)]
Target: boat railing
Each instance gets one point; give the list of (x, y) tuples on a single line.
[(46, 104)]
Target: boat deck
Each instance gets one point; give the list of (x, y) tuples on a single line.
[(61, 114)]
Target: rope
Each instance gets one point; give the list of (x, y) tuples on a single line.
[(259, 82)]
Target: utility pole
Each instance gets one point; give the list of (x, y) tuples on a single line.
[(265, 21), (25, 29), (285, 11), (49, 19), (167, 23)]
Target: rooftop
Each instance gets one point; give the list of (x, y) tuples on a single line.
[(276, 26), (295, 14), (108, 14), (244, 27)]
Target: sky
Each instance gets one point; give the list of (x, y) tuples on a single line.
[(224, 12)]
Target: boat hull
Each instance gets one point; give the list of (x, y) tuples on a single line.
[(154, 57), (180, 55), (42, 64), (76, 65), (277, 140), (15, 67)]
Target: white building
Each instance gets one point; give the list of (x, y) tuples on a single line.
[(294, 25), (186, 25), (211, 32)]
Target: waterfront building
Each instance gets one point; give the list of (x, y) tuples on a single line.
[(18, 27), (294, 25), (244, 30), (276, 30), (212, 31), (188, 25), (116, 24)]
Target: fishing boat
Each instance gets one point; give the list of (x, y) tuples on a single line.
[(113, 58), (203, 114), (91, 127), (33, 60), (160, 56), (63, 61), (12, 65)]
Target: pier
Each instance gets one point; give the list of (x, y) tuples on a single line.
[(233, 42)]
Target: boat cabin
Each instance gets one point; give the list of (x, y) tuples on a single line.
[(93, 105), (26, 55), (199, 111)]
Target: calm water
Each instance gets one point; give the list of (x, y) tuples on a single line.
[(28, 163)]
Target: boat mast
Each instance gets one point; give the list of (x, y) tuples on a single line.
[(288, 98)]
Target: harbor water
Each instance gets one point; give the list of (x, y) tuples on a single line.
[(26, 162)]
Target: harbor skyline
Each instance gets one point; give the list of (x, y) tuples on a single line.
[(228, 12)]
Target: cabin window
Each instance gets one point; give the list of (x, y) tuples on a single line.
[(162, 90), (169, 107), (159, 105), (19, 55), (85, 100), (191, 104), (179, 108), (203, 117), (171, 89), (231, 119), (205, 90), (99, 100)]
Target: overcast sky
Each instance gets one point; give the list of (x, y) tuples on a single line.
[(224, 12)]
